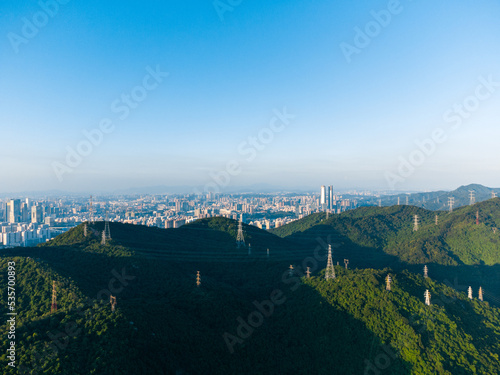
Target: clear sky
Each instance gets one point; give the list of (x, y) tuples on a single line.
[(359, 83)]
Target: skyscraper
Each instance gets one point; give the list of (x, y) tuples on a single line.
[(36, 214), (14, 211), (330, 196), (323, 199)]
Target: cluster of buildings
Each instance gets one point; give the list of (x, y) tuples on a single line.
[(331, 202), (23, 223), (26, 222)]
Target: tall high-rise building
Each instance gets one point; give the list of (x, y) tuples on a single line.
[(36, 214), (14, 211), (323, 199), (330, 197)]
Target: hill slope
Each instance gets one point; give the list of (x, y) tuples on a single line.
[(247, 317), (456, 239)]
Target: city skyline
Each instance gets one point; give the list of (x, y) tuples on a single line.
[(392, 95)]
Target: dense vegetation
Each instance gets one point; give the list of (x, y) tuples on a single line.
[(455, 240), (164, 324)]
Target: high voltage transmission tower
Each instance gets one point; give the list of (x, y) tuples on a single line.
[(91, 212), (330, 271), (493, 194), (451, 202), (53, 306), (477, 217), (85, 229), (308, 272), (198, 278), (407, 200), (240, 239), (480, 293), (426, 272), (427, 296), (436, 219), (398, 201), (472, 198), (112, 301), (107, 231), (346, 262), (415, 223), (388, 281), (469, 292)]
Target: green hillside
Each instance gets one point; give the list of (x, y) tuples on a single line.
[(248, 316), (455, 240)]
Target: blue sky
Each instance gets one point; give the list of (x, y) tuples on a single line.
[(228, 74)]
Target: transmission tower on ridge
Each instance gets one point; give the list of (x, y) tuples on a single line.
[(480, 294), (198, 278), (398, 201), (240, 240), (493, 194), (112, 301), (388, 281), (477, 217), (346, 262), (407, 200), (415, 223), (469, 292), (436, 219), (472, 198), (451, 202), (308, 272), (426, 272), (427, 296), (91, 212), (107, 232), (53, 307), (330, 271)]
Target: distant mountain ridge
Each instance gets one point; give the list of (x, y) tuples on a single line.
[(438, 200)]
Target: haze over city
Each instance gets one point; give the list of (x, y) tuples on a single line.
[(178, 90)]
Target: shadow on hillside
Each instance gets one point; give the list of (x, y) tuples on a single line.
[(310, 336), (344, 248)]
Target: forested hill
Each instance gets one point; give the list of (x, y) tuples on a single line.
[(455, 240), (244, 318), (211, 239)]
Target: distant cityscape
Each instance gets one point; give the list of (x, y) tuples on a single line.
[(28, 222)]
